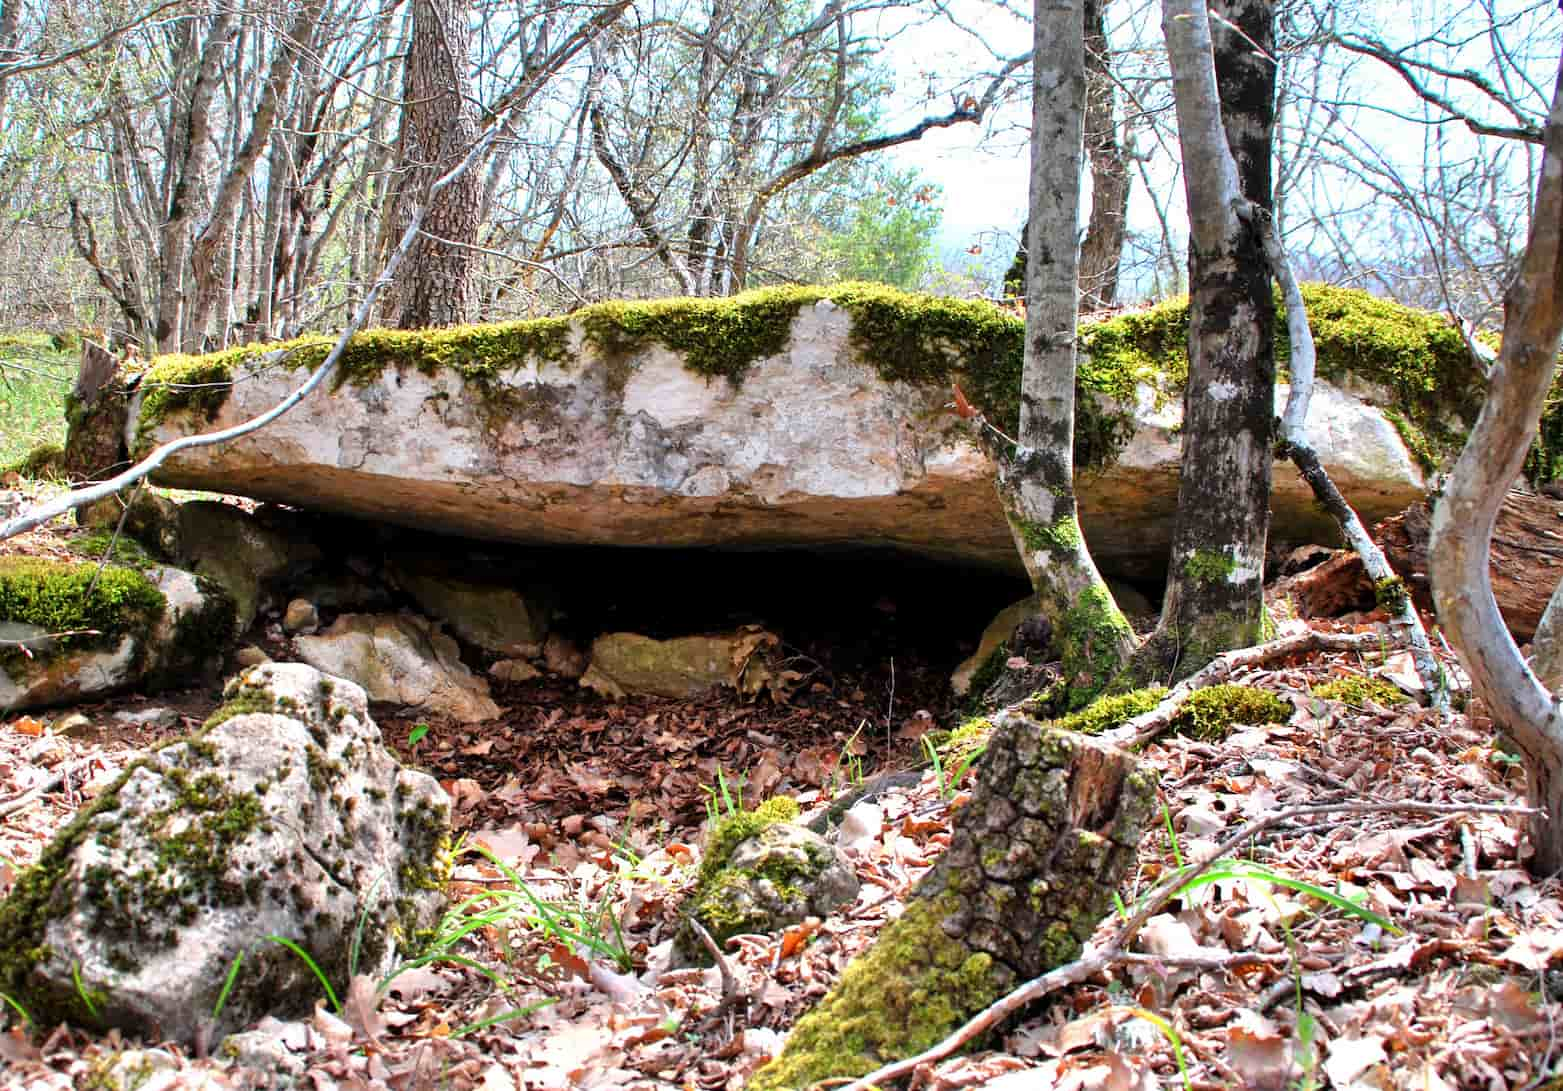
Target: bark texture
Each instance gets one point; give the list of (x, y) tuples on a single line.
[(1463, 520), (1103, 245), (1214, 599), (1036, 480), (439, 124), (1525, 560), (1050, 831), (95, 413)]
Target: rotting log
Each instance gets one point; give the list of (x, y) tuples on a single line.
[(1035, 855), (1525, 562)]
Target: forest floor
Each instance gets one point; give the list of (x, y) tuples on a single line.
[(597, 805)]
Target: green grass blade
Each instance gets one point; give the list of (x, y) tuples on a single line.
[(336, 1005), (228, 982), (1239, 869), (514, 1013), (27, 1019)]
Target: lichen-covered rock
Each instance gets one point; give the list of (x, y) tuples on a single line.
[(803, 417), (90, 629), (240, 552), (286, 816), (493, 616), (685, 666), (774, 878), (403, 659)]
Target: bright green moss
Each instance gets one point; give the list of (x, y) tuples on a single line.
[(1358, 690), (44, 462), (1062, 536), (1209, 713), (1390, 593), (62, 597), (1093, 632), (731, 831), (1210, 566), (1106, 713), (906, 993)]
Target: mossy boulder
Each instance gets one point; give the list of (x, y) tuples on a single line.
[(800, 416), (287, 816), (774, 878), (84, 628)]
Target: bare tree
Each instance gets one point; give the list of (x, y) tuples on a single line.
[(1466, 512)]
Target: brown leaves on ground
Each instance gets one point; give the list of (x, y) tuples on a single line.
[(595, 807)]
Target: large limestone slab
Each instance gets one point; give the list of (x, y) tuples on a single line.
[(812, 448)]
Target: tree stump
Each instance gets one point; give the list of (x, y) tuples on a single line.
[(1035, 855), (95, 415)]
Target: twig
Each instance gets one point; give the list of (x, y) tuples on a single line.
[(729, 982), (1115, 950), (55, 782)]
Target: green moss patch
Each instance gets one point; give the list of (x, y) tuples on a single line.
[(1210, 713), (1106, 713), (62, 597), (735, 829), (1358, 690), (45, 462), (906, 993)]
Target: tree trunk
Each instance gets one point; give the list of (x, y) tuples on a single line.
[(1463, 520), (433, 286), (1214, 599), (1103, 245), (1036, 480), (1035, 855)]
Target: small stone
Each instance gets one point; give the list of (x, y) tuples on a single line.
[(265, 1048), (46, 750), (562, 657), (250, 656), (148, 717), (77, 725), (301, 617), (514, 670)]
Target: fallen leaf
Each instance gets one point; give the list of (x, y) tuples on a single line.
[(1349, 1058)]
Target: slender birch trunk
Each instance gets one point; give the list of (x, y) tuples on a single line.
[(1464, 517)]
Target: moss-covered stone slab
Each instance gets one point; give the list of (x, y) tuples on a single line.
[(286, 816), (783, 417), (1034, 859)]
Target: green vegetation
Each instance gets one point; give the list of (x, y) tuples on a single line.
[(61, 597), (1106, 713), (1358, 689), (1209, 713), (43, 463), (1210, 566), (731, 831), (906, 993), (31, 401), (889, 235)]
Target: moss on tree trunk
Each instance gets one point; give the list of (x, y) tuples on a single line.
[(1035, 855)]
